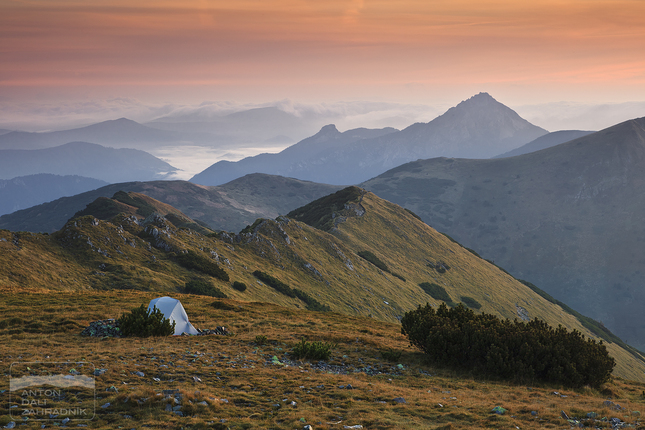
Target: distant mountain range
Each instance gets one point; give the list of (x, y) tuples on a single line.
[(267, 124), (229, 207), (479, 127), (567, 218), (255, 126), (290, 161), (117, 133), (546, 141), (84, 159), (27, 191)]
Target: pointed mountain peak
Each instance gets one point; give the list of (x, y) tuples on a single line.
[(481, 99), (328, 130), (485, 108), (482, 95)]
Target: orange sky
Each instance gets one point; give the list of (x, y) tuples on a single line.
[(520, 51)]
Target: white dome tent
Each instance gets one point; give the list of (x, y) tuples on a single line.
[(174, 311)]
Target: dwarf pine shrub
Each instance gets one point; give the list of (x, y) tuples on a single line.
[(512, 350), (203, 288), (435, 291), (194, 261), (311, 303), (312, 350), (142, 322), (239, 286), (470, 302), (369, 256)]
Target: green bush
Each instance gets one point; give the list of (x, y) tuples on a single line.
[(435, 291), (391, 355), (141, 322), (224, 306), (470, 302), (312, 350), (261, 339), (369, 256), (202, 288), (194, 261), (513, 350), (239, 286), (396, 275), (282, 288)]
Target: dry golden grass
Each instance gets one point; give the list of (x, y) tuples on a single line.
[(240, 384)]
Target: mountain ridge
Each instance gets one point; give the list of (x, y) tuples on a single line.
[(229, 207), (282, 163), (477, 127), (546, 141), (124, 253), (108, 133), (84, 159), (27, 191)]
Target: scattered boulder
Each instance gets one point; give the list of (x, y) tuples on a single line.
[(110, 328), (103, 328)]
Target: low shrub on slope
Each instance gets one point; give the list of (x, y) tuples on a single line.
[(507, 349)]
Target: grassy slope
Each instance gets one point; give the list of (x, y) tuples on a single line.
[(240, 384), (324, 265)]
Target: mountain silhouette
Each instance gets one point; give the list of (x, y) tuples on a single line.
[(84, 159), (479, 127)]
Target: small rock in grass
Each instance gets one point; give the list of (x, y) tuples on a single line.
[(499, 410)]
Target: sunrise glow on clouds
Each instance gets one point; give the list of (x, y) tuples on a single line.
[(521, 51)]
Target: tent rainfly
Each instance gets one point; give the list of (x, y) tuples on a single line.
[(174, 311)]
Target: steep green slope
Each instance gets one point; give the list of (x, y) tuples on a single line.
[(324, 266)]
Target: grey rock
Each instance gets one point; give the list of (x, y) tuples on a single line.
[(399, 400), (102, 328)]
